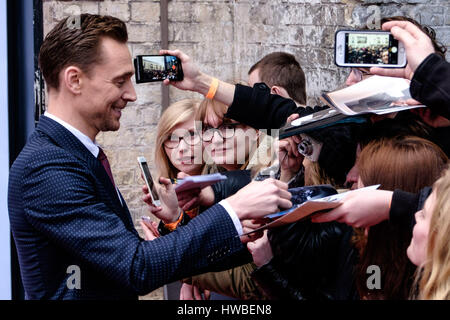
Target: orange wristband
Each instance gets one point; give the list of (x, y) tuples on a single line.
[(173, 225), (212, 89)]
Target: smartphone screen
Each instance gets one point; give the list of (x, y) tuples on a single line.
[(148, 179), (368, 49), (371, 48), (150, 68)]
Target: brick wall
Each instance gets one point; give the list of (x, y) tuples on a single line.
[(225, 37)]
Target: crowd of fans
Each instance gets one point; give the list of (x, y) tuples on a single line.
[(305, 260), (369, 55)]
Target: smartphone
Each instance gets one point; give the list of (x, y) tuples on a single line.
[(367, 49), (149, 181), (151, 68)]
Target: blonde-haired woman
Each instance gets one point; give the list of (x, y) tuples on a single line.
[(178, 145), (178, 152), (430, 244)]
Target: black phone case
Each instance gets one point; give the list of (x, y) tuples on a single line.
[(138, 71)]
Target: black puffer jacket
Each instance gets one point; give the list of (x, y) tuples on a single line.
[(311, 262), (431, 84), (236, 180), (257, 107)]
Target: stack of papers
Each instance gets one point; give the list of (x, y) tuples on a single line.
[(374, 95), (377, 94), (307, 209)]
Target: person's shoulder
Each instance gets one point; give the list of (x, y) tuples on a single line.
[(35, 162), (40, 154), (44, 149)]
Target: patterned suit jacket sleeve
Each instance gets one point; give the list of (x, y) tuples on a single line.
[(61, 201)]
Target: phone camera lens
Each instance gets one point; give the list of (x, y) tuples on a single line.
[(305, 148)]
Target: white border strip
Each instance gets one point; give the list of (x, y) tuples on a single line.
[(5, 254)]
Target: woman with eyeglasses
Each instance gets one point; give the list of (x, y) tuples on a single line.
[(183, 148), (178, 151), (178, 145), (229, 147), (227, 143)]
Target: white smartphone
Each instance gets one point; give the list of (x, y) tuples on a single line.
[(367, 49), (149, 180)]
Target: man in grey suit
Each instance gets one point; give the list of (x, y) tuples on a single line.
[(65, 210)]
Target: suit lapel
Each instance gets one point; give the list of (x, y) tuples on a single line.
[(99, 171), (127, 215), (66, 140)]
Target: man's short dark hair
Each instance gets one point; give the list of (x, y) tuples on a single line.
[(79, 45), (282, 69)]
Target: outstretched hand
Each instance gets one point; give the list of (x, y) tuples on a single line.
[(260, 198), (168, 211), (417, 44), (150, 230), (193, 292), (260, 250), (251, 226), (194, 198), (190, 71), (360, 209), (289, 157)]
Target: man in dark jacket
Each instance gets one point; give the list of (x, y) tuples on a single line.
[(73, 231)]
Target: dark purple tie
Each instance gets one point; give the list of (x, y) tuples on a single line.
[(104, 160)]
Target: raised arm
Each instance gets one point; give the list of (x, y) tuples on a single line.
[(256, 106)]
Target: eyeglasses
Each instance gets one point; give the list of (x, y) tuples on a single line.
[(226, 131), (190, 138), (360, 73)]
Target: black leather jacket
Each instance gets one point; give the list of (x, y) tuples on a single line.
[(311, 262)]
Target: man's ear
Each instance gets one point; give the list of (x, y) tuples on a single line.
[(279, 91), (72, 79)]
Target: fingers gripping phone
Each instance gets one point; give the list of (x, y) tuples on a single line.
[(365, 49), (149, 181), (151, 68)]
